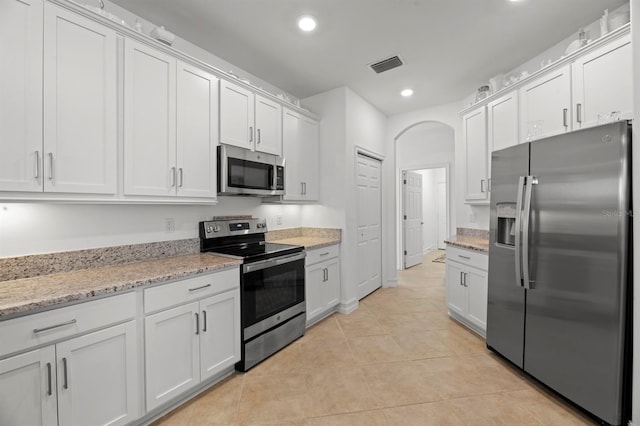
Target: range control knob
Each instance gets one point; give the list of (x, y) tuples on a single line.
[(209, 229), (216, 228)]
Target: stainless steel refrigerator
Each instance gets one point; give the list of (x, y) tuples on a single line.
[(560, 267)]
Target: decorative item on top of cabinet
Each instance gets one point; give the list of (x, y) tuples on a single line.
[(474, 133), (602, 83), (466, 287), (249, 120), (322, 282), (54, 143), (170, 125), (301, 152)]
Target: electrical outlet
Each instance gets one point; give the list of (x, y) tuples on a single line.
[(278, 220), (169, 224)]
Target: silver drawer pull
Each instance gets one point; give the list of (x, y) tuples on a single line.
[(464, 257), (200, 288), (325, 254), (51, 327)]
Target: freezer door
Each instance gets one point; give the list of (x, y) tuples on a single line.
[(506, 297), (575, 315)]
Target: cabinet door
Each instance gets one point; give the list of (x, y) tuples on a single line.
[(28, 389), (474, 131), (149, 121), (172, 353), (21, 100), (545, 105), (309, 158), (268, 126), (331, 288), (603, 83), (502, 118), (197, 131), (219, 333), (313, 289), (80, 139), (456, 293), (476, 281), (291, 151), (236, 115), (98, 377)]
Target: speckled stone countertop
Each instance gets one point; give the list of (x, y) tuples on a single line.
[(20, 296), (473, 239), (310, 238)]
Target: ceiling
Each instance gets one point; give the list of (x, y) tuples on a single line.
[(450, 47)]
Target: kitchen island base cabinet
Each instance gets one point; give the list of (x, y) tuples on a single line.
[(88, 380), (190, 343), (466, 288), (322, 283)]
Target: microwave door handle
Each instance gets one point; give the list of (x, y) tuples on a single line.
[(531, 180), (518, 254)]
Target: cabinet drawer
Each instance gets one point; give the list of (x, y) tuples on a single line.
[(322, 254), (179, 292), (468, 257), (32, 330)]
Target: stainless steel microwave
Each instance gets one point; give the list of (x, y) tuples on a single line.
[(244, 172)]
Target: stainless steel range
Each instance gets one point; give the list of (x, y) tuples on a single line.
[(271, 285)]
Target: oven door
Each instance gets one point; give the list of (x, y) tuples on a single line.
[(272, 292)]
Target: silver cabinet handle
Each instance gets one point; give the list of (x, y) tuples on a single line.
[(173, 177), (51, 327), (204, 321), (489, 185), (518, 259), (258, 130), (65, 369), (465, 257), (461, 275), (304, 185), (579, 113), (565, 113), (301, 188), (465, 280), (482, 185), (181, 177), (49, 390), (37, 165), (197, 323), (51, 166), (327, 271), (250, 133), (530, 181), (200, 288)]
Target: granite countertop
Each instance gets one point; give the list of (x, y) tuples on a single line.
[(473, 243), (309, 243), (20, 296)]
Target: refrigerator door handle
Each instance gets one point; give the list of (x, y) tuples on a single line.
[(530, 181), (518, 256)]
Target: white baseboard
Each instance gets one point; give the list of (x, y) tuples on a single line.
[(428, 249), (390, 283), (348, 307)]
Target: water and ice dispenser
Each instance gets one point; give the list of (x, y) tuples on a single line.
[(506, 224)]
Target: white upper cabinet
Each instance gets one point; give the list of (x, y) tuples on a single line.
[(197, 131), (545, 105), (603, 84), (248, 120), (21, 100), (502, 118), (474, 133), (80, 145), (301, 153), (149, 122)]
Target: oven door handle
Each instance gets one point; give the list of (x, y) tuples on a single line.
[(268, 263)]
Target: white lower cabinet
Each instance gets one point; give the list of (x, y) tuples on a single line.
[(322, 282), (87, 380), (466, 287), (190, 343)]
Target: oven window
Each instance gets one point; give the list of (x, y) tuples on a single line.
[(249, 174), (268, 291)]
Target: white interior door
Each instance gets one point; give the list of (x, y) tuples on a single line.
[(369, 220), (442, 214), (412, 215)]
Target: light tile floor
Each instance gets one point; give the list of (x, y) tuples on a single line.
[(398, 360)]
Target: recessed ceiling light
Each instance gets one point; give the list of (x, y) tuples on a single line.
[(407, 92), (307, 23)]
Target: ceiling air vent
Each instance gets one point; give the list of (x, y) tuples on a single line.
[(386, 64)]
